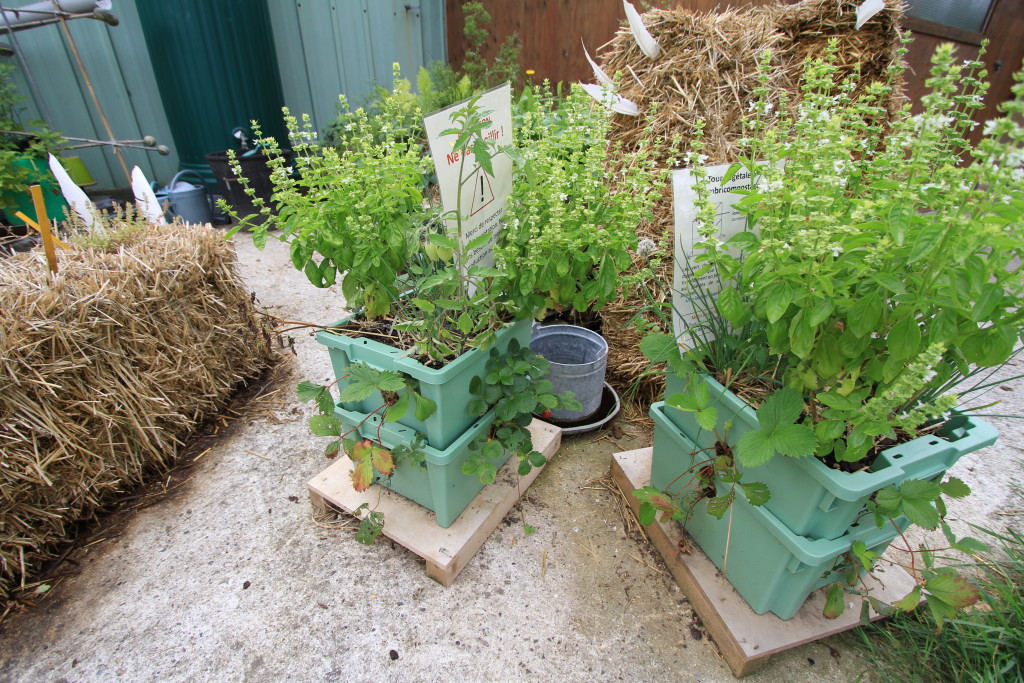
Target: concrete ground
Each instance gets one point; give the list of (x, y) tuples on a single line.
[(231, 576)]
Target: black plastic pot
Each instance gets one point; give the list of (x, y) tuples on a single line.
[(254, 169)]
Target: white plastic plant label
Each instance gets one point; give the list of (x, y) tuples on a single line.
[(599, 73), (693, 298), (868, 9), (648, 45), (466, 188), (606, 96)]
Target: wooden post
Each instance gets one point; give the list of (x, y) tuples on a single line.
[(35, 226), (44, 227)]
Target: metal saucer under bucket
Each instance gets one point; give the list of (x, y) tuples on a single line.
[(578, 359)]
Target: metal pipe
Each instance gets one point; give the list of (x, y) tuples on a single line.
[(162, 150), (106, 17), (147, 143), (92, 92), (51, 10)]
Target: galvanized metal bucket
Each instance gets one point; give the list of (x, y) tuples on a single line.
[(578, 359)]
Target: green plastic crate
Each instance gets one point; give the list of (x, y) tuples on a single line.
[(817, 501), (772, 568), (448, 387), (440, 486)]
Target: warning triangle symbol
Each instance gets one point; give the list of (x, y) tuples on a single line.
[(480, 192)]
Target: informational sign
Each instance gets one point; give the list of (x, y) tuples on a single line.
[(467, 189), (693, 298)]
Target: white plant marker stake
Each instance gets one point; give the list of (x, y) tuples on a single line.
[(648, 45), (868, 9), (599, 73), (616, 103), (145, 199), (74, 195)]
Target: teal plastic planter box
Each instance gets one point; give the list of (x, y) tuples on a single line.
[(772, 568), (817, 501), (447, 387), (440, 486), (53, 200)]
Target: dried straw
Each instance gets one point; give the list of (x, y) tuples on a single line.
[(708, 70), (106, 369)]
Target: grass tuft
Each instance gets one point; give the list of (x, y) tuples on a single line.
[(985, 644)]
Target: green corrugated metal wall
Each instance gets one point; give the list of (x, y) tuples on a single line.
[(323, 47), (347, 46), (118, 66), (214, 72)]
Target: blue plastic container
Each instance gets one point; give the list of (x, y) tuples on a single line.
[(440, 486), (812, 499), (448, 387)]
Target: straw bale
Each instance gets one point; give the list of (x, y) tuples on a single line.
[(708, 70), (106, 369)]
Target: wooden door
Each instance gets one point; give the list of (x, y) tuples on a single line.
[(550, 31), (1003, 28)]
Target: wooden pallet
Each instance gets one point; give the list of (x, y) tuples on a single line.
[(412, 526), (745, 639)]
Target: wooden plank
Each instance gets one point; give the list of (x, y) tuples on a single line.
[(446, 551), (551, 32), (745, 639), (103, 71), (44, 227)]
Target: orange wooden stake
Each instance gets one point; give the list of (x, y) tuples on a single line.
[(44, 227), (35, 226)]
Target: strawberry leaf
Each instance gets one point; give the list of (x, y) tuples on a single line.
[(361, 372), (397, 411), (782, 407), (864, 556), (325, 402), (360, 450), (658, 348), (757, 493), (913, 498), (308, 391), (362, 475), (952, 589), (647, 514), (357, 391), (755, 448), (707, 418), (389, 380), (718, 505), (325, 425), (955, 488), (941, 611), (909, 601), (370, 528), (382, 460), (795, 441), (662, 502), (424, 407), (834, 601)]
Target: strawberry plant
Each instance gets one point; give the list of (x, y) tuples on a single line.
[(515, 386), (370, 459)]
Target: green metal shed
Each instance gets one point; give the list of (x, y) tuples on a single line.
[(232, 59)]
